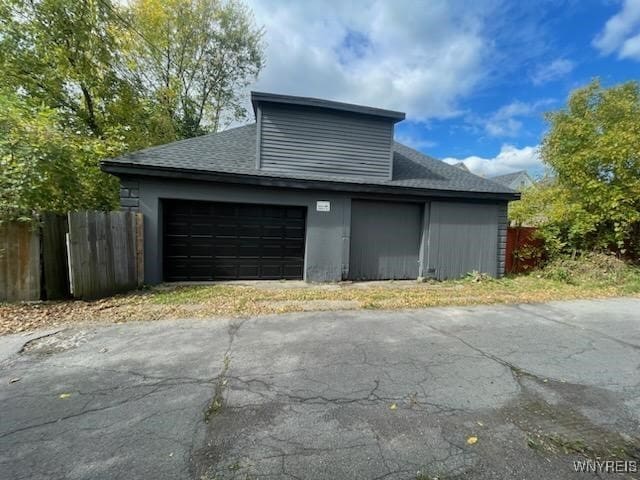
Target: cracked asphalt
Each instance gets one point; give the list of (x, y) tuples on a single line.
[(328, 395)]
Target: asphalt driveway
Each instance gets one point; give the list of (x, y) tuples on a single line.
[(486, 392)]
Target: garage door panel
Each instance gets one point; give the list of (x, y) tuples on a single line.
[(201, 229), (295, 213), (249, 231), (294, 233), (385, 240), (249, 251), (225, 241), (292, 271)]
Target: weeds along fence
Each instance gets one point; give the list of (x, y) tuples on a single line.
[(85, 255)]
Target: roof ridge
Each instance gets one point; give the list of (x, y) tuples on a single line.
[(509, 174)]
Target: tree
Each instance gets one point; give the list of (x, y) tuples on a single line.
[(194, 57), (167, 69), (592, 149), (83, 80), (48, 168), (62, 54)]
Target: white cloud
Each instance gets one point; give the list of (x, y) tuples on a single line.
[(621, 32), (631, 48), (505, 122), (418, 57), (552, 71), (510, 159)]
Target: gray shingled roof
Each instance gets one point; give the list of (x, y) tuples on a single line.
[(507, 178), (234, 151)]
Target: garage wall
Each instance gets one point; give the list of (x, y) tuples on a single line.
[(462, 237), (326, 257), (457, 237)]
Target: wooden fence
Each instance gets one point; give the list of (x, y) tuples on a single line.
[(19, 262), (86, 255), (524, 249), (103, 253)]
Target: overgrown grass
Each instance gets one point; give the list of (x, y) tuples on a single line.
[(588, 277), (558, 281)]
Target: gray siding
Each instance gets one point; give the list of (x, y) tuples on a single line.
[(385, 240), (503, 224), (455, 238), (299, 139), (463, 237)]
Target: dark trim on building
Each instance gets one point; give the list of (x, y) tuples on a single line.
[(258, 138), (120, 168), (258, 97)]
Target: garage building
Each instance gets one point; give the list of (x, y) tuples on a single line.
[(315, 190)]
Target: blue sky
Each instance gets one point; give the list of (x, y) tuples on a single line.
[(473, 77)]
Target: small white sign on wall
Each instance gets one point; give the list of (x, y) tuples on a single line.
[(323, 206)]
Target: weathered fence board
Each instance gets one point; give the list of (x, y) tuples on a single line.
[(19, 262), (54, 256), (103, 253)]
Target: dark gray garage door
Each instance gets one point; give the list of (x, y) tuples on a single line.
[(385, 240), (232, 241)]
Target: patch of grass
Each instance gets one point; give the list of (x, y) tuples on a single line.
[(595, 276), (232, 300)]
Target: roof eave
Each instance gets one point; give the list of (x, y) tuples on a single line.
[(263, 97), (120, 168)]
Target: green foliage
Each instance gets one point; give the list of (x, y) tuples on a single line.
[(47, 168), (84, 80), (592, 200), (194, 58), (65, 54)]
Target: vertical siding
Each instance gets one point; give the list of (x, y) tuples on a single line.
[(385, 240), (308, 140), (503, 224), (463, 237)]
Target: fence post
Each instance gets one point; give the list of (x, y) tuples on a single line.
[(139, 219)]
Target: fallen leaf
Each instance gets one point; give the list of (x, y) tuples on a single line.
[(65, 395), (393, 406), (14, 380), (471, 440)]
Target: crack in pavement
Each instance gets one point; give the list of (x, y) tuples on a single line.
[(221, 380), (515, 370), (572, 325), (84, 411)]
